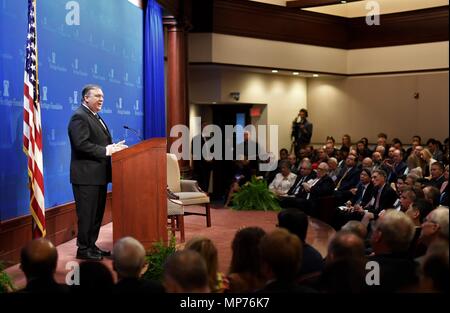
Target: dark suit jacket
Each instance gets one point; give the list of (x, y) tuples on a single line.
[(387, 199), (297, 181), (359, 197), (89, 164), (350, 180), (324, 187), (137, 286)]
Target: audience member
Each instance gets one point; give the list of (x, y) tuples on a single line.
[(129, 264), (206, 248), (296, 222), (38, 261), (245, 268), (186, 272)]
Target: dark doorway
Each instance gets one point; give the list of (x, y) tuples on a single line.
[(223, 170)]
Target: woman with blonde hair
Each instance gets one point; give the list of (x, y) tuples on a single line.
[(427, 158), (206, 248), (413, 165)]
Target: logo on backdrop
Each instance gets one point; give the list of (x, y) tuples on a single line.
[(44, 93), (74, 100), (54, 65), (6, 88), (95, 73)]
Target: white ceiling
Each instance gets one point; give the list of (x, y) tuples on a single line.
[(357, 9)]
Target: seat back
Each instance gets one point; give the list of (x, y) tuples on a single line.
[(173, 173)]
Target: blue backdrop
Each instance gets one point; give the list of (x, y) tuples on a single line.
[(79, 42)]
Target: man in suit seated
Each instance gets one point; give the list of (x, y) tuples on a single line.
[(129, 264), (391, 239), (383, 198), (310, 191), (38, 261), (347, 180)]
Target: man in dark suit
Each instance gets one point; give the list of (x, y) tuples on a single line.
[(90, 169)]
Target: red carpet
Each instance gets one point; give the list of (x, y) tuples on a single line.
[(225, 223)]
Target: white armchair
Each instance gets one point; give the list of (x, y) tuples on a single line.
[(187, 191)]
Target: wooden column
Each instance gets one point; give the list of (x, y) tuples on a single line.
[(177, 85)]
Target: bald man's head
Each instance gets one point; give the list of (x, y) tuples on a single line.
[(38, 258)]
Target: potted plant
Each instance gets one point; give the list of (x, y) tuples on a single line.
[(157, 257), (6, 284), (255, 195)]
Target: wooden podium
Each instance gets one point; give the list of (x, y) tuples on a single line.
[(139, 201)]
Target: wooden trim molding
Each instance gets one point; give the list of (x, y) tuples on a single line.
[(250, 67), (272, 22), (61, 222)]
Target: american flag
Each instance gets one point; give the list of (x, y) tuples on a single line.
[(32, 131)]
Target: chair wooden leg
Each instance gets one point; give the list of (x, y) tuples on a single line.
[(180, 220), (208, 215), (172, 224)]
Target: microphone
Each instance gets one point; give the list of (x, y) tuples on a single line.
[(133, 130)]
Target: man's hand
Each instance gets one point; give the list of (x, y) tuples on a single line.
[(115, 147)]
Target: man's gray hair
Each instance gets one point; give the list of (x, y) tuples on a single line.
[(129, 257), (440, 217), (397, 230)]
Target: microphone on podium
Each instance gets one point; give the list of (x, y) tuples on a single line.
[(133, 130)]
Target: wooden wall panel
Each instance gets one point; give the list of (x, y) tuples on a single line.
[(61, 227)]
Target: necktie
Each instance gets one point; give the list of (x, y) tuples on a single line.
[(100, 120), (342, 178), (377, 202), (297, 188)]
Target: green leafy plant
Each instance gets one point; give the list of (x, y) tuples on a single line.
[(255, 195), (158, 255), (6, 284)]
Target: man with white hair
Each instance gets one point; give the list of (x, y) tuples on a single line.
[(435, 226), (129, 263), (391, 239)]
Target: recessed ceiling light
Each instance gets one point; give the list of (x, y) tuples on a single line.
[(274, 71), (295, 73), (343, 1), (315, 75)]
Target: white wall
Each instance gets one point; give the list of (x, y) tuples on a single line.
[(365, 106), (283, 95), (227, 49)]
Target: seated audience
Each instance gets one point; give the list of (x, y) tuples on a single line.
[(206, 248), (245, 268), (344, 271), (391, 238), (95, 277), (186, 272), (296, 222), (129, 264), (435, 226), (38, 260), (284, 180), (280, 258)]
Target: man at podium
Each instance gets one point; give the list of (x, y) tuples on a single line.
[(90, 169)]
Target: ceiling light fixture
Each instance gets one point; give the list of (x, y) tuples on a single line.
[(295, 73), (315, 75), (274, 71)]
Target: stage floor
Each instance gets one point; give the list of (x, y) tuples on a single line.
[(225, 223)]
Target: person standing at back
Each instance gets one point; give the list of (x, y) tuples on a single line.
[(301, 131)]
